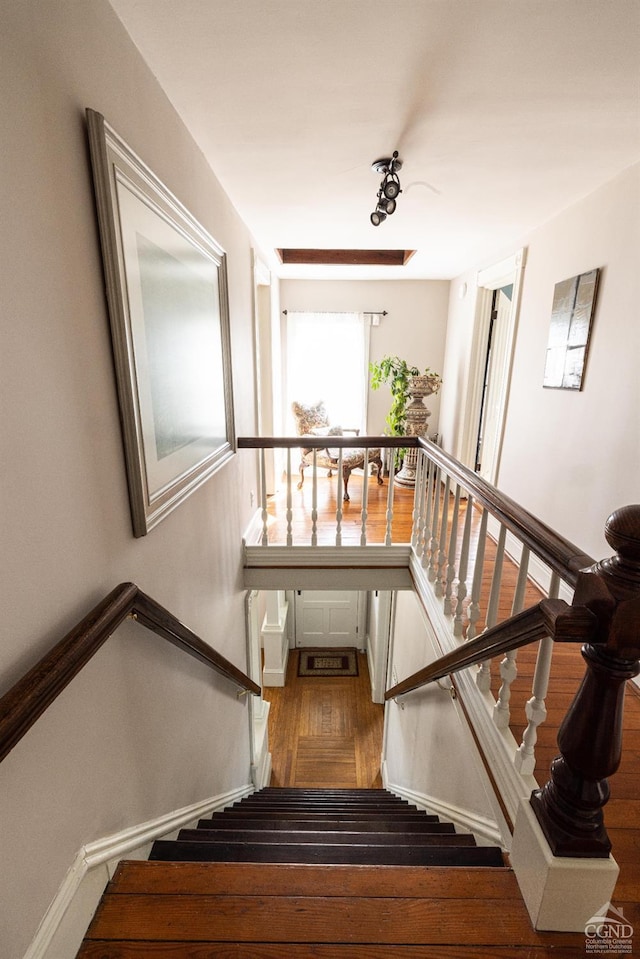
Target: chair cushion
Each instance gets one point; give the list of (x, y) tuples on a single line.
[(309, 418)]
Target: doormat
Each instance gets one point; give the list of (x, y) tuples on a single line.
[(328, 662)]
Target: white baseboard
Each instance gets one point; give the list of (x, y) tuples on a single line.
[(484, 830), (65, 921)]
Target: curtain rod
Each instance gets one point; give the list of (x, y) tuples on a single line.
[(368, 312)]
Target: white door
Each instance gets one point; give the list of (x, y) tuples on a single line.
[(327, 618)]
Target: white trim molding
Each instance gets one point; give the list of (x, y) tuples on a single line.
[(65, 922)]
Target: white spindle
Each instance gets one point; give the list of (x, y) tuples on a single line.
[(365, 497), (429, 514), (483, 677), (263, 499), (474, 606), (453, 542), (339, 500), (388, 538), (417, 501), (433, 560), (289, 501), (508, 666), (442, 555), (461, 592), (314, 501), (536, 709)]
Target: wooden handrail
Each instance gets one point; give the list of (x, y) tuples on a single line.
[(562, 556), (550, 617), (321, 442), (28, 699)]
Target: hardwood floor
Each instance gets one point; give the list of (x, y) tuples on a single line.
[(325, 731)]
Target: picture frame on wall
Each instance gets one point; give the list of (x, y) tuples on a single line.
[(166, 284), (570, 331)]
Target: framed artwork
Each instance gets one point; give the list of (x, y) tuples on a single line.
[(569, 331), (166, 286)]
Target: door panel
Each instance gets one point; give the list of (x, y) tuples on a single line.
[(326, 618)]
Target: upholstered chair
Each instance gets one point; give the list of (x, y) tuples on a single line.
[(314, 421)]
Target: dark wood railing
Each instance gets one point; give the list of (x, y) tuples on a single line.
[(28, 699)]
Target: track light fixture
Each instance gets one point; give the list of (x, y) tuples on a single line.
[(389, 187)]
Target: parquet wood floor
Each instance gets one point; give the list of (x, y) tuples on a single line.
[(325, 731)]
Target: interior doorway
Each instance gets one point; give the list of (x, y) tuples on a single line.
[(489, 425), (329, 618), (493, 344)]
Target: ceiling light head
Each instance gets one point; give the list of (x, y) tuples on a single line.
[(391, 186)]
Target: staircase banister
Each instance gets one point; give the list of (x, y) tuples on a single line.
[(29, 698), (321, 442), (550, 617), (562, 556)]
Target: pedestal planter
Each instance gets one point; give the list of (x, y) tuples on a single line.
[(416, 422)]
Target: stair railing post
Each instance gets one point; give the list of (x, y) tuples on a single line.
[(569, 807)]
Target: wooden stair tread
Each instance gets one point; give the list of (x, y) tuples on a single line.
[(430, 824), (458, 882), (449, 838), (283, 950), (253, 918), (405, 815), (319, 852)]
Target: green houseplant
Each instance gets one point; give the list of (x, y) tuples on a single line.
[(398, 373)]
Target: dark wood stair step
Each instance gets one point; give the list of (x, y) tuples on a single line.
[(235, 812), (440, 855), (357, 825), (352, 838)]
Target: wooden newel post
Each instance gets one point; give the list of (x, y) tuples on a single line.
[(569, 807)]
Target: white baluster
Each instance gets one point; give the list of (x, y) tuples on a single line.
[(388, 534), (417, 501), (365, 497), (508, 666), (429, 514), (433, 560), (442, 556), (339, 500), (462, 569), (289, 501), (476, 588), (263, 499), (314, 501), (483, 677), (453, 542), (536, 708)]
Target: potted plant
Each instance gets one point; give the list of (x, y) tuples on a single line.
[(408, 384)]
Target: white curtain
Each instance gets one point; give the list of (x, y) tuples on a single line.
[(328, 359)]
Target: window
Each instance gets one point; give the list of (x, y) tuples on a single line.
[(327, 359)]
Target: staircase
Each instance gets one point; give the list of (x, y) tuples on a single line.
[(329, 827), (312, 873)]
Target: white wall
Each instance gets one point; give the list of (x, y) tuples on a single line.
[(144, 729), (428, 746), (414, 329), (569, 457)]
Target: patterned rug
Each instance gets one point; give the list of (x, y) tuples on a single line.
[(328, 662)]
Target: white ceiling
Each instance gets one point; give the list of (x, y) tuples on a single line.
[(503, 111)]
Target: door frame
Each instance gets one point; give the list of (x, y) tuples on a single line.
[(508, 271)]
